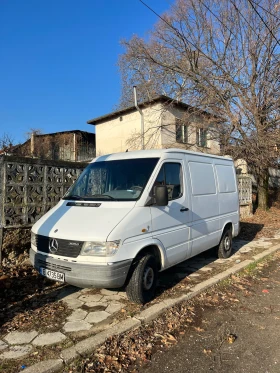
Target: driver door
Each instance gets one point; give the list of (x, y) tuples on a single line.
[(171, 223)]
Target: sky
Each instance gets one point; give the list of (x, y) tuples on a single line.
[(58, 60)]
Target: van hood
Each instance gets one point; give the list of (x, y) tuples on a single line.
[(91, 222)]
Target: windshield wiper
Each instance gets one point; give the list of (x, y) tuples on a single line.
[(74, 198), (86, 198), (103, 195)]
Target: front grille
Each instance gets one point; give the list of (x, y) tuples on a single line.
[(52, 266), (64, 247)]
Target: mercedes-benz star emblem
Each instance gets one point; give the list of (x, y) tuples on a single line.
[(53, 246)]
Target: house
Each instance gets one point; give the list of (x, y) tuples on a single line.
[(8, 150), (167, 123), (67, 145)]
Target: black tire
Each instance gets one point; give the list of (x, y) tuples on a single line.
[(142, 283), (225, 245)]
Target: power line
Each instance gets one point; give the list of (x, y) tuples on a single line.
[(179, 34), (238, 11), (207, 7), (248, 23), (266, 10), (183, 38), (164, 20), (270, 31)]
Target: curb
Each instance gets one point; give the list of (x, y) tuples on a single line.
[(90, 344)]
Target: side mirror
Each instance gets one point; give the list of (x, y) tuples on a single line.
[(161, 195)]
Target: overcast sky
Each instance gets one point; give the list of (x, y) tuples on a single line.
[(58, 60)]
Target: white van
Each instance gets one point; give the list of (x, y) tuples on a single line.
[(130, 215)]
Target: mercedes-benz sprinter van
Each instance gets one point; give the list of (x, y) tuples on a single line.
[(130, 215)]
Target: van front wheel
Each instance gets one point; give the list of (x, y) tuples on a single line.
[(142, 283), (225, 246)]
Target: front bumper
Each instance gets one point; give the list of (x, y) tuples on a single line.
[(84, 275)]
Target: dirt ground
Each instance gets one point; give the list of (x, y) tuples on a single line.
[(234, 327), (242, 338)]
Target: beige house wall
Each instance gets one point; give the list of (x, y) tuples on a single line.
[(193, 121), (122, 133)]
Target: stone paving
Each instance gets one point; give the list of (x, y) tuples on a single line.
[(99, 309)]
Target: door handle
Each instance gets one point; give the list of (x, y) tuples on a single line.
[(182, 209)]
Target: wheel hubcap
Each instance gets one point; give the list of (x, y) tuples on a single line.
[(148, 278), (227, 243)]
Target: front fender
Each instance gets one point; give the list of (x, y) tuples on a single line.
[(133, 247)]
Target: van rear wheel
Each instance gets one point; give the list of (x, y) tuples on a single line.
[(225, 245), (142, 283)]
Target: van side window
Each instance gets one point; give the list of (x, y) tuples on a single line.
[(170, 175)]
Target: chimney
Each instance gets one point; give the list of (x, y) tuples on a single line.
[(75, 147), (32, 144)]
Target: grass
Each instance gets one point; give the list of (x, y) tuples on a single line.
[(252, 270)]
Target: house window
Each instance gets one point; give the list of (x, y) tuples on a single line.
[(181, 132), (201, 137)]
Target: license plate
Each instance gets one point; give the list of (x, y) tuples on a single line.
[(53, 275)]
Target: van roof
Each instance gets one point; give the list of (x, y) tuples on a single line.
[(153, 153)]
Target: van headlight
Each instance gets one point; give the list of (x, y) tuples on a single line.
[(33, 239), (94, 248)]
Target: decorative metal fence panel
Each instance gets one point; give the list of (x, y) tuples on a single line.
[(245, 190), (30, 187)]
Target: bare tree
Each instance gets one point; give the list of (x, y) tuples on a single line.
[(222, 57), (33, 131), (6, 143)]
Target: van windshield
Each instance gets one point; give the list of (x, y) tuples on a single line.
[(119, 180)]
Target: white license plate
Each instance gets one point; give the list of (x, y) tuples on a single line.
[(56, 276)]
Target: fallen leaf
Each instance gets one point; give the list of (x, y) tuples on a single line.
[(231, 338), (207, 352), (158, 335), (198, 329), (170, 336)]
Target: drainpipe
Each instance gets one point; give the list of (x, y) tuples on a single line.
[(142, 117)]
